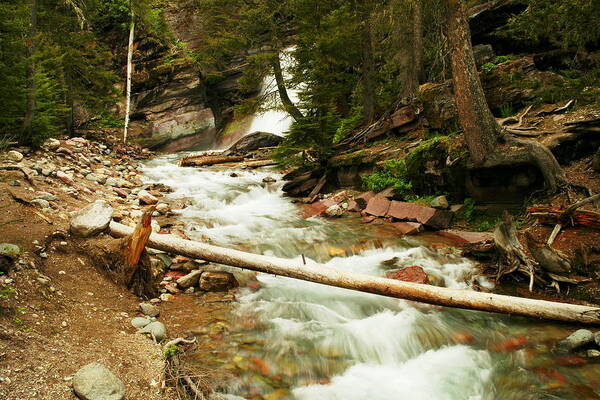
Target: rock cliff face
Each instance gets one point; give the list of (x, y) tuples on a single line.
[(170, 108)]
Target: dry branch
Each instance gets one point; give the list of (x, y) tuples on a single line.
[(370, 284)]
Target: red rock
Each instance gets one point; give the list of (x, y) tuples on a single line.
[(318, 208), (363, 199), (463, 338), (120, 192), (254, 285), (179, 233), (425, 215), (353, 206), (550, 374), (378, 206), (408, 228), (146, 198), (413, 274), (65, 178), (367, 219), (571, 361), (462, 237), (509, 345), (172, 288), (175, 274), (261, 364), (403, 116), (386, 193)]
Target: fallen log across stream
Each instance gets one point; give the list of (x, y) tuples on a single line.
[(370, 284)]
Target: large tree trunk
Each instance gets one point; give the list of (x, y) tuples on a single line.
[(31, 87), (479, 125), (488, 145), (288, 104), (368, 95), (418, 41), (129, 73), (370, 284)]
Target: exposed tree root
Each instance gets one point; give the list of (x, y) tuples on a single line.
[(518, 152)]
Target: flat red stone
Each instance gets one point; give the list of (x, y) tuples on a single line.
[(408, 228), (378, 206), (415, 212), (413, 274)]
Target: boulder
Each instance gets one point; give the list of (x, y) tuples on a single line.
[(428, 216), (408, 228), (414, 274), (146, 198), (8, 254), (363, 199), (156, 330), (318, 208), (51, 144), (139, 322), (471, 240), (217, 281), (577, 339), (334, 211), (14, 156), (254, 141), (96, 382), (189, 280), (440, 202), (149, 309), (378, 206), (92, 219)]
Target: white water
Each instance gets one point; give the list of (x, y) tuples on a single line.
[(275, 120), (366, 346)]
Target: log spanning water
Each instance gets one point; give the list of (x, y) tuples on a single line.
[(365, 283)]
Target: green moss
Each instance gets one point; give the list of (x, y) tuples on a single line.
[(346, 160)]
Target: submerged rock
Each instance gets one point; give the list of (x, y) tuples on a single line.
[(96, 382), (577, 339), (217, 281), (414, 274)]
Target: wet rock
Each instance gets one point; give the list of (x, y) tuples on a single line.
[(597, 338), (96, 382), (172, 288), (149, 310), (146, 198), (440, 202), (510, 344), (318, 208), (408, 228), (334, 211), (92, 220), (571, 361), (156, 330), (414, 274), (166, 297), (14, 156), (254, 141), (577, 339), (162, 208), (360, 202), (378, 206), (474, 241), (139, 322), (65, 178), (592, 353), (189, 280), (217, 281), (429, 216), (269, 179)]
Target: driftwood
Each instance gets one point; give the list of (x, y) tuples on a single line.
[(365, 283), (513, 257), (552, 216), (208, 160)]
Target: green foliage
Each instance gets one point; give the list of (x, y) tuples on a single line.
[(468, 211), (507, 110), (171, 351), (6, 292), (501, 59), (488, 67), (567, 23), (392, 174)]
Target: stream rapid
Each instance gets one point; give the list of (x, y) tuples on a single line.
[(291, 339)]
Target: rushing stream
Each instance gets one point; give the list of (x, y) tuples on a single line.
[(300, 340)]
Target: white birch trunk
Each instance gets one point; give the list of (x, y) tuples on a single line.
[(326, 275), (129, 73)]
